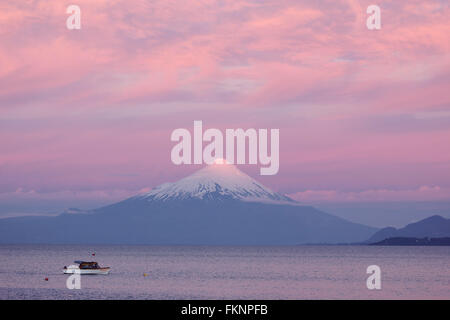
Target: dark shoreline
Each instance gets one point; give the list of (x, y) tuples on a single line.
[(405, 241)]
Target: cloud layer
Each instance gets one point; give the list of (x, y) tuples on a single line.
[(424, 193), (93, 109)]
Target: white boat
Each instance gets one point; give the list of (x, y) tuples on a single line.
[(85, 267)]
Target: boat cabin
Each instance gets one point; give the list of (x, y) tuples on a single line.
[(88, 265)]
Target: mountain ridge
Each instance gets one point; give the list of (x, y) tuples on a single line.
[(432, 227)]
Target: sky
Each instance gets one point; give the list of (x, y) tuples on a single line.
[(86, 115)]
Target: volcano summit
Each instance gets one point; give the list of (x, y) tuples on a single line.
[(219, 181), (217, 205)]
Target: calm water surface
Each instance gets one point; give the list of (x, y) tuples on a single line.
[(300, 272)]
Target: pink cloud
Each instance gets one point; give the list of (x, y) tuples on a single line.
[(423, 193), (99, 195), (93, 109)]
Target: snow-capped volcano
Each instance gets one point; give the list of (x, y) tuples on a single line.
[(217, 205), (219, 181)]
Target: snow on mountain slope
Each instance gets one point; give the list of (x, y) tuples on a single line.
[(215, 182)]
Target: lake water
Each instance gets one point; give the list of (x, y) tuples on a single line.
[(297, 272)]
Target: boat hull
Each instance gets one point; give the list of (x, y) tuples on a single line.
[(87, 271)]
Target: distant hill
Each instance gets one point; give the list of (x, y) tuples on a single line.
[(431, 227), (413, 242)]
